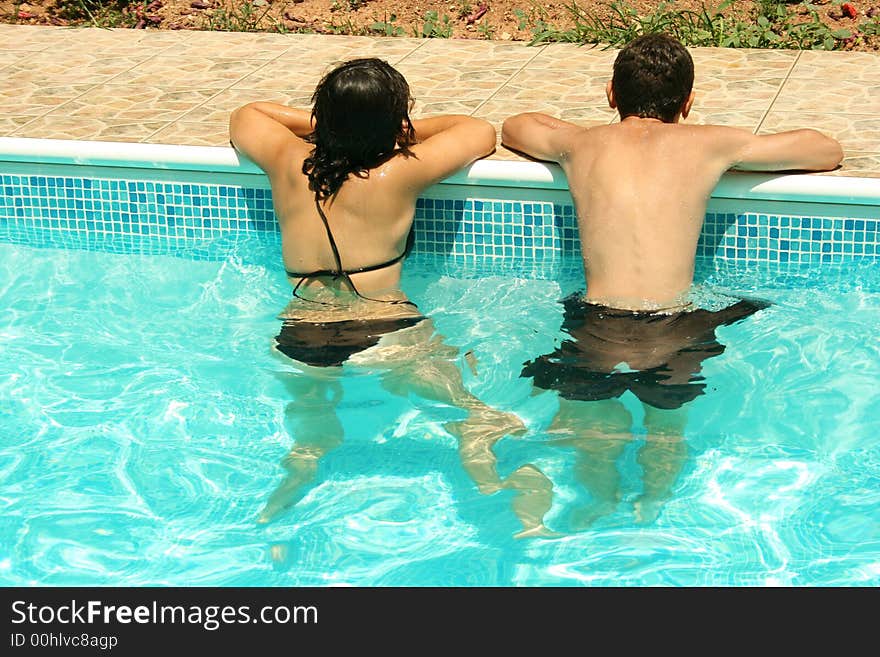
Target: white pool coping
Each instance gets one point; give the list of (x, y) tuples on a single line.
[(804, 188)]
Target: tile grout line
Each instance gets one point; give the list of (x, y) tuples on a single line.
[(90, 89), (517, 72), (232, 84), (409, 54), (778, 91), (224, 89)]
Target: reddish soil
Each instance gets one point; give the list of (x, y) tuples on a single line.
[(467, 19)]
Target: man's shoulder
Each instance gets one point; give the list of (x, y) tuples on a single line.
[(710, 131)]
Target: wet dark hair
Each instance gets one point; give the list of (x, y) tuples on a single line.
[(653, 77), (361, 114)]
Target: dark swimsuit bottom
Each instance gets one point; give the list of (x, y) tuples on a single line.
[(578, 369), (328, 344)]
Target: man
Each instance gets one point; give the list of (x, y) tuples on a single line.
[(640, 189)]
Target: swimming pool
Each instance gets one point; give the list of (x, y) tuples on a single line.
[(145, 420)]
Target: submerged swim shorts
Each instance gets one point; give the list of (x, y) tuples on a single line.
[(663, 353), (327, 344)]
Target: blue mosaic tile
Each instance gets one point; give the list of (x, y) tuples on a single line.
[(103, 211)]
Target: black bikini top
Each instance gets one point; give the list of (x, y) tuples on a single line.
[(345, 274)]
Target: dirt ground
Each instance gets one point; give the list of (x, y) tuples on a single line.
[(467, 19)]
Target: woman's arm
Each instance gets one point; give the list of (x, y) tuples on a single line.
[(298, 121), (446, 144), (434, 125), (264, 131)]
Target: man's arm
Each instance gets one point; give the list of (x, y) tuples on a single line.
[(263, 131), (538, 135), (794, 150)]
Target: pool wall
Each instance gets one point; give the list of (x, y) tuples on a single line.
[(144, 197)]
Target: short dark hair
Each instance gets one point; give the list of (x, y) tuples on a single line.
[(361, 115), (653, 77)]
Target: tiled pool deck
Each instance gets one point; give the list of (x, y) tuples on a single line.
[(178, 87)]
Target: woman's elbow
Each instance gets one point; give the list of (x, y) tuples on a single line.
[(487, 136), (836, 153)]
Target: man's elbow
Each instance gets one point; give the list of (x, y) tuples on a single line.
[(235, 120), (829, 152), (512, 127)]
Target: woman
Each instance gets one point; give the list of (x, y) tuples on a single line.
[(345, 178)]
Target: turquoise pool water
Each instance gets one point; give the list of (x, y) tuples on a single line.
[(143, 427)]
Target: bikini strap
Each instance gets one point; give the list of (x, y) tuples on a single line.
[(410, 241), (332, 241), (341, 273)]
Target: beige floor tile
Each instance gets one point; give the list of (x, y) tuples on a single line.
[(229, 45), (496, 111), (180, 86), (72, 68), (470, 54), (742, 63), (190, 71), (88, 129), (849, 66), (287, 76), (735, 93), (11, 123), (429, 107), (556, 86), (10, 58), (218, 108), (332, 49), (28, 98), (454, 82), (820, 95), (134, 103), (85, 39), (32, 38), (588, 60), (855, 132), (746, 119), (862, 165), (192, 134)]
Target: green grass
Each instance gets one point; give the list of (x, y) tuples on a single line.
[(774, 24), (242, 17), (434, 27), (99, 13)]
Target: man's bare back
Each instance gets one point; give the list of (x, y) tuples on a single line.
[(641, 187)]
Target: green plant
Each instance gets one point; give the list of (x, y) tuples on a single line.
[(486, 30), (535, 18), (871, 27), (348, 5), (98, 13), (242, 17), (774, 24), (435, 27), (348, 27), (387, 27)]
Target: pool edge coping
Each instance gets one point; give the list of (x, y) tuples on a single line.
[(800, 187)]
